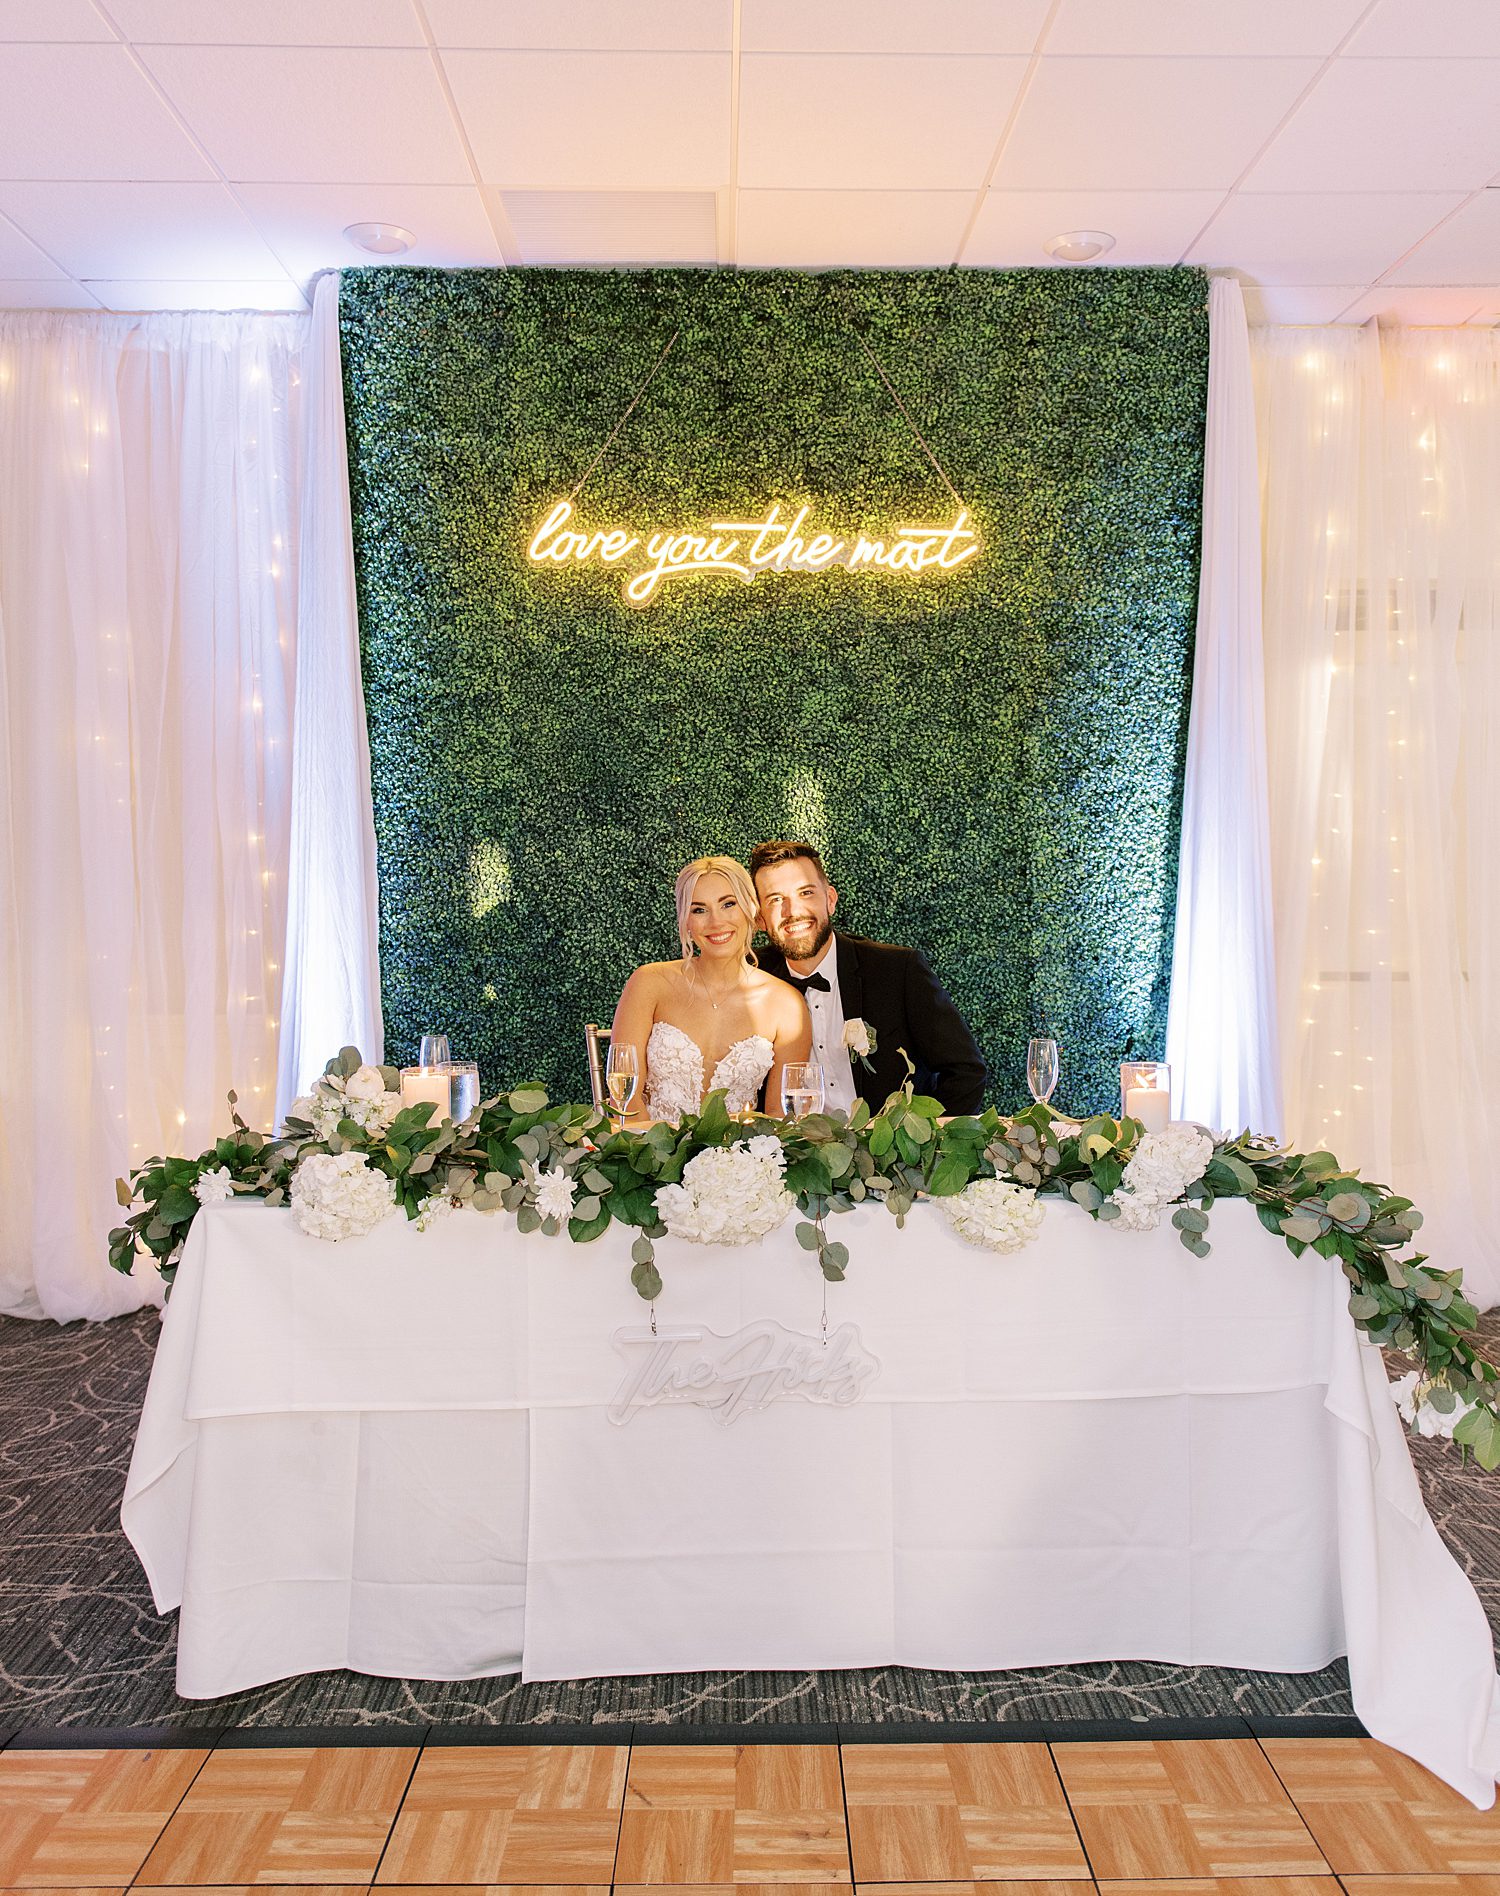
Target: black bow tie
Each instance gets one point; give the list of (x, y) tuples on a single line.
[(812, 981)]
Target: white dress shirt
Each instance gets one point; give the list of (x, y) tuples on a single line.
[(829, 1051)]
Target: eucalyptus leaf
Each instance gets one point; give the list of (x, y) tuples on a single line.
[(647, 1280), (808, 1237)]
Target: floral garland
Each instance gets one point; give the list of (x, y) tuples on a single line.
[(350, 1154)]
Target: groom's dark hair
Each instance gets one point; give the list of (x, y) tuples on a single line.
[(766, 855)]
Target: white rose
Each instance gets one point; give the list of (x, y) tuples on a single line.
[(366, 1083), (213, 1188), (553, 1193), (338, 1196), (857, 1037)]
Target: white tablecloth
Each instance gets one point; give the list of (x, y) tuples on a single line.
[(396, 1455)]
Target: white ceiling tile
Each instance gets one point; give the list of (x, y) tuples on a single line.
[(182, 232), (595, 121), (51, 20), (1147, 124), (891, 26), (1306, 303), (20, 257), (613, 227), (1390, 124), (830, 229), (304, 223), (86, 112), (1189, 26), (54, 293), (316, 114), (1453, 29), (813, 121), (1465, 250), (627, 26), (1308, 237), (143, 294), (1428, 307), (1147, 226), (269, 22)]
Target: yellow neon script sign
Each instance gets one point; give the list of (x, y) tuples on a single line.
[(769, 545)]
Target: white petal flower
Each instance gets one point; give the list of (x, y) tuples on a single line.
[(994, 1213), (366, 1083), (338, 1196), (1138, 1211), (213, 1188), (303, 1107), (728, 1195), (857, 1037), (435, 1210), (554, 1190), (765, 1145)]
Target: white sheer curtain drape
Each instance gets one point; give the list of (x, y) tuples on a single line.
[(148, 587), (1221, 1026), (1380, 463), (331, 996)]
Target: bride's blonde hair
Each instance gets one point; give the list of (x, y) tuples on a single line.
[(736, 875)]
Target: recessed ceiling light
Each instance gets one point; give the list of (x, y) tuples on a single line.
[(384, 239), (1079, 246)]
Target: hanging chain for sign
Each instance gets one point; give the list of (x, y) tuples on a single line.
[(773, 543)]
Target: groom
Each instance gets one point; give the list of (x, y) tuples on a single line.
[(844, 978)]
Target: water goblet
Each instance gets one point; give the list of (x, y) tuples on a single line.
[(1041, 1068), (434, 1052), (801, 1089)]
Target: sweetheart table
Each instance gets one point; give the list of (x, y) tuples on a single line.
[(462, 1452)]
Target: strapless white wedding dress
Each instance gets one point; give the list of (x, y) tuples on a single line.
[(674, 1072)]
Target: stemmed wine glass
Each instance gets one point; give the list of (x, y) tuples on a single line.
[(622, 1075), (1041, 1069), (801, 1089)]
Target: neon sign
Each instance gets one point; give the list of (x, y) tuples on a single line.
[(747, 549)]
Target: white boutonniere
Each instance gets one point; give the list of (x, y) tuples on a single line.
[(859, 1038)]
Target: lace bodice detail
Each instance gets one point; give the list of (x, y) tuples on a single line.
[(674, 1072)]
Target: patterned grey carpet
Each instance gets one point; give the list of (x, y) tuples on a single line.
[(82, 1646)]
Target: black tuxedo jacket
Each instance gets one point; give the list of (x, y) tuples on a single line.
[(895, 991)]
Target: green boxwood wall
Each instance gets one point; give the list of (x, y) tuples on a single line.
[(992, 758)]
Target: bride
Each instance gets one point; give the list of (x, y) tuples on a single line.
[(713, 1012)]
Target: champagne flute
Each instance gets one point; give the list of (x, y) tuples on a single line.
[(622, 1075), (801, 1089), (1041, 1069)]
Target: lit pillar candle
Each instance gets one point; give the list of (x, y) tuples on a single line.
[(1151, 1105), (420, 1084)]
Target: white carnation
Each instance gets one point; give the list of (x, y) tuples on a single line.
[(213, 1188), (553, 1194), (994, 1213), (728, 1195), (366, 1082), (338, 1196)]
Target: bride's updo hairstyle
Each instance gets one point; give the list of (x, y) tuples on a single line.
[(734, 873)]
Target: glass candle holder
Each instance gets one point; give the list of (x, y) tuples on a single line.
[(423, 1084), (463, 1089), (1146, 1093)]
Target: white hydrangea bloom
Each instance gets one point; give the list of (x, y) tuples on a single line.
[(994, 1213), (337, 1195), (553, 1192), (728, 1195), (213, 1188), (1137, 1212), (303, 1107), (1166, 1163), (1429, 1421), (766, 1145)]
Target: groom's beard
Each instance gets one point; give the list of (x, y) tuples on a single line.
[(803, 947)]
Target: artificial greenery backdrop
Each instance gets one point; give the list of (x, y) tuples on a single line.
[(990, 758)]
